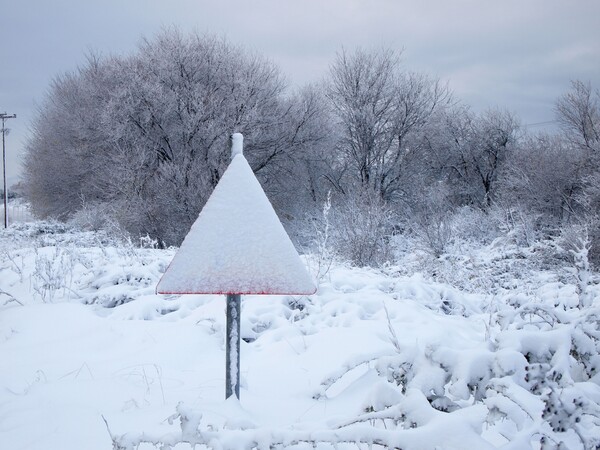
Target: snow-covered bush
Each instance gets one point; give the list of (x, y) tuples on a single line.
[(362, 228), (576, 242), (517, 223), (594, 235), (53, 272), (67, 263), (430, 220), (92, 217), (320, 247), (478, 348), (560, 349), (474, 225)]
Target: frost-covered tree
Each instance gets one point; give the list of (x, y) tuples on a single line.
[(380, 110), (470, 150), (383, 114), (544, 179), (578, 112), (61, 164), (144, 138)]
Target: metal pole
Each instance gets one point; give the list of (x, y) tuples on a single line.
[(4, 116), (234, 312), (232, 346), (4, 193)]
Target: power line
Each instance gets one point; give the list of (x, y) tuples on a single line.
[(547, 122), (4, 117)]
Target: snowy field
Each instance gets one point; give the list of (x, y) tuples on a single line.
[(490, 348)]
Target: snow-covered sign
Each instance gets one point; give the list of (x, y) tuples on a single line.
[(237, 245)]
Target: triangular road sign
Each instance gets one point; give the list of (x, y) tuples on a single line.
[(237, 245)]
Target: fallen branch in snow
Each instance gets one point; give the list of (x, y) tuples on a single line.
[(393, 413), (335, 377), (413, 413), (271, 438), (225, 439), (112, 436), (11, 298), (16, 267)]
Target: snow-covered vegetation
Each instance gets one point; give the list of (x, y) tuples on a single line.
[(456, 254), (493, 346), (141, 140)]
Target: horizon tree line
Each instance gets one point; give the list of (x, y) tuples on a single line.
[(142, 140)]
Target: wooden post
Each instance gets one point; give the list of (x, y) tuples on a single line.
[(232, 346)]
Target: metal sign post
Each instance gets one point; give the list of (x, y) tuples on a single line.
[(234, 313), (232, 346), (237, 246)]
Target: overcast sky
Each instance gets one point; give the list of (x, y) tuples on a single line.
[(513, 54)]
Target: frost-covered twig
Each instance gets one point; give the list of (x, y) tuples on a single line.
[(582, 269), (393, 337), (394, 413), (324, 254), (11, 298), (17, 268), (112, 436)]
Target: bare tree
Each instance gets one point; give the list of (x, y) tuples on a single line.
[(544, 178), (362, 228), (496, 132), (380, 110), (578, 111), (471, 151)]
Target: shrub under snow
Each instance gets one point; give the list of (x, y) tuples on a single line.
[(477, 349)]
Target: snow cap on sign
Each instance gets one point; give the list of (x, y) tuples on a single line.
[(237, 245), (237, 144)]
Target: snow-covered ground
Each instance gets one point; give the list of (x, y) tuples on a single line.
[(479, 350)]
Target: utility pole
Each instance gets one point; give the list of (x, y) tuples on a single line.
[(5, 116)]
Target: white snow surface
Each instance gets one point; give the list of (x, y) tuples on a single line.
[(237, 245), (376, 359)]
